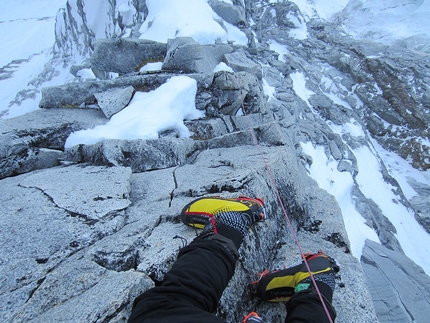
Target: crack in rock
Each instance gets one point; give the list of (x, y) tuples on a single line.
[(90, 192)]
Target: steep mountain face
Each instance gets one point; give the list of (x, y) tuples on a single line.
[(80, 23), (89, 227), (382, 88), (392, 22)]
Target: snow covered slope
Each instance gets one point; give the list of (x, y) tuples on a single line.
[(27, 33), (386, 21)]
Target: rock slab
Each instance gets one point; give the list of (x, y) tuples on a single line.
[(114, 100), (84, 191), (126, 55), (400, 289)]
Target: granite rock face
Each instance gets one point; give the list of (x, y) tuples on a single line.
[(112, 229), (230, 13), (185, 55), (114, 100), (125, 55), (36, 140), (389, 274), (86, 229)]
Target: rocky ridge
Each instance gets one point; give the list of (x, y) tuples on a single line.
[(88, 228)]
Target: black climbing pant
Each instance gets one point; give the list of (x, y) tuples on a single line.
[(191, 290)]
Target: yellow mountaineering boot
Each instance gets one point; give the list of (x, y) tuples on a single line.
[(229, 217), (281, 285), (199, 212)]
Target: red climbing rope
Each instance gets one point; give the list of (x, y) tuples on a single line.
[(275, 189)]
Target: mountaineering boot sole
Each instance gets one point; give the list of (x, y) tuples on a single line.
[(279, 285), (252, 318)]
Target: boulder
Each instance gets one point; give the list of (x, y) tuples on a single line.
[(239, 62), (232, 14), (219, 93), (140, 155), (185, 55), (114, 100), (166, 152), (232, 92), (36, 140), (421, 202), (126, 55)]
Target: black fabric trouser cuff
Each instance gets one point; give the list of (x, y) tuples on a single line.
[(227, 243), (306, 307), (230, 233)]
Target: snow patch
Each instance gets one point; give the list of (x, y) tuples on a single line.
[(281, 50), (235, 35), (97, 14), (127, 12), (151, 67), (86, 74), (352, 128), (268, 90), (332, 91), (386, 21), (372, 184), (187, 18), (306, 8), (299, 86), (301, 30), (148, 114), (223, 67), (326, 9), (401, 170)]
